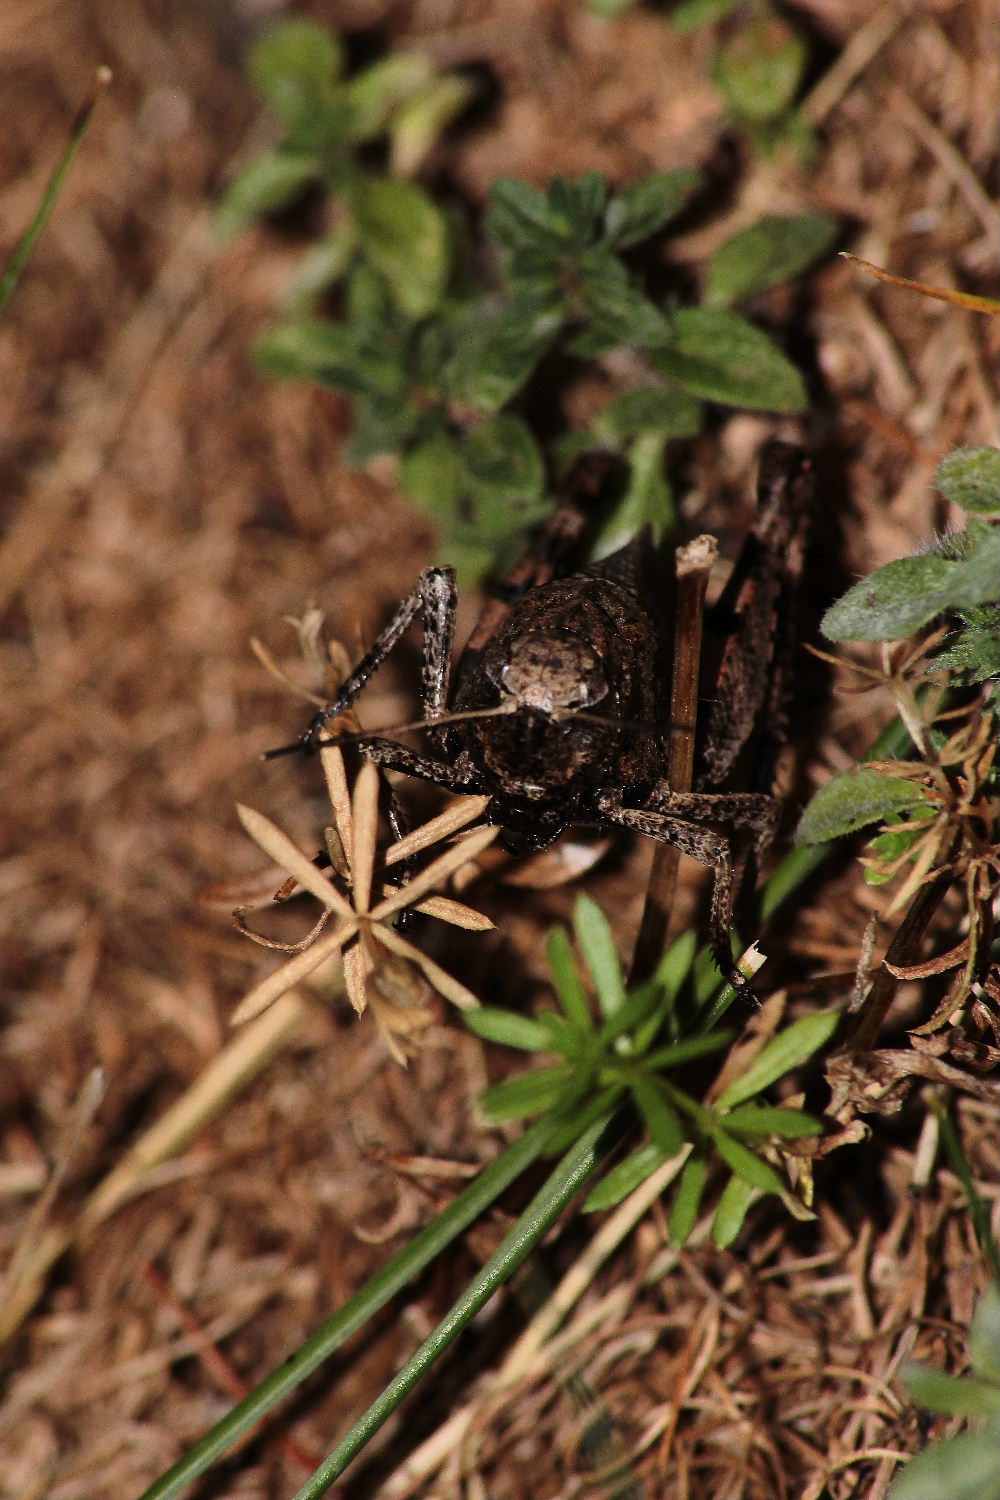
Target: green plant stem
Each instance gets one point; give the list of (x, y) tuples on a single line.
[(53, 188), (410, 1261), (569, 1177)]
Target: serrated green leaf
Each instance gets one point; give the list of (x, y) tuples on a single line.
[(624, 1178), (760, 68), (896, 600), (296, 67), (684, 1210), (853, 799), (761, 1121), (498, 348), (267, 185), (747, 1165), (765, 254), (734, 1201), (597, 945), (378, 90), (782, 1053), (721, 357), (526, 1093), (617, 308), (406, 238), (509, 1028), (566, 981), (638, 211), (970, 477), (519, 215), (576, 206), (502, 461), (661, 1121)]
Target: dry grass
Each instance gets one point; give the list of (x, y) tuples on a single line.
[(163, 504)]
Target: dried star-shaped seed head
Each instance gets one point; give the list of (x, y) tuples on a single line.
[(381, 968)]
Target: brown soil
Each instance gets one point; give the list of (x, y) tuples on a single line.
[(165, 502)]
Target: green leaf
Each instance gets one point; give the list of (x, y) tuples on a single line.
[(502, 461), (638, 211), (324, 265), (624, 1178), (647, 500), (406, 238), (762, 1121), (984, 1335), (687, 1201), (652, 408), (268, 184), (419, 122), (896, 600), (566, 981), (963, 1468), (853, 799), (783, 1052), (376, 92), (576, 207), (734, 1201), (597, 945), (497, 349), (973, 651), (509, 1028), (661, 1121), (955, 1395), (760, 68), (296, 67), (620, 312), (767, 253), (721, 357), (747, 1165), (526, 1093), (519, 215), (431, 474), (970, 477)]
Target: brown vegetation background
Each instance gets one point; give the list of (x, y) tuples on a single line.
[(162, 503)]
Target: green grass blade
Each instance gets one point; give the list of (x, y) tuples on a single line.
[(569, 1177), (410, 1261), (26, 244)]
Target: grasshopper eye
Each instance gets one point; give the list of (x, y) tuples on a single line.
[(552, 669)]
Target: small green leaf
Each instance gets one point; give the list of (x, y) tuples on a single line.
[(566, 981), (624, 1178), (638, 211), (509, 1028), (652, 408), (955, 1395), (376, 92), (526, 1093), (597, 945), (734, 1201), (783, 1052), (721, 357), (760, 68), (970, 477), (498, 348), (762, 1121), (963, 1468), (647, 500), (502, 461), (853, 799), (576, 207), (324, 265), (296, 67), (661, 1121), (406, 238), (984, 1335), (518, 215), (418, 123), (687, 1201), (267, 185), (748, 1166), (620, 312), (431, 474), (896, 600), (767, 253)]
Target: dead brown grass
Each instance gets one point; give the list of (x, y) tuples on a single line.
[(164, 503)]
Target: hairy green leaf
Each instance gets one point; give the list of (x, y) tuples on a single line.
[(970, 477), (773, 250), (853, 799), (721, 357)]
